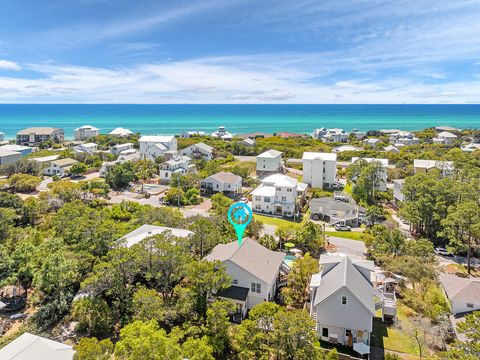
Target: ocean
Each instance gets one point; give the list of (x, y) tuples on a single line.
[(174, 119)]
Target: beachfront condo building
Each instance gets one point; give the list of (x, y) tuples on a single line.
[(319, 169), (36, 135), (86, 131)]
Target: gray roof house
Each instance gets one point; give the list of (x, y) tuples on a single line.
[(255, 272), (222, 181), (28, 346), (463, 294), (198, 151), (342, 301), (341, 209)]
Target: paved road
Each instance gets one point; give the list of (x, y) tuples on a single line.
[(353, 248)]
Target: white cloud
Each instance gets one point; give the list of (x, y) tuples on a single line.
[(9, 65)]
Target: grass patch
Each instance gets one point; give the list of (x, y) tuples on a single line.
[(352, 235), (348, 188), (392, 338), (276, 221)]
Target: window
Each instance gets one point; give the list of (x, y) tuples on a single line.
[(344, 300), (469, 305), (289, 190), (257, 207), (259, 288), (266, 199), (166, 174), (325, 332), (258, 198), (235, 282), (284, 198), (254, 287)]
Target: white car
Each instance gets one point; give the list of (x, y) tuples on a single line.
[(442, 251)]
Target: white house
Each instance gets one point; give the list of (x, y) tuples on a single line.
[(382, 174), (175, 165), (225, 182), (319, 169), (22, 149), (255, 272), (372, 142), (391, 149), (120, 148), (120, 132), (59, 167), (445, 137), (199, 151), (277, 195), (153, 146), (470, 147), (222, 133), (398, 195), (146, 231), (359, 135), (403, 137), (269, 162), (248, 142), (122, 158), (189, 134), (423, 166), (331, 135), (462, 293), (7, 156), (28, 347), (343, 148), (88, 148), (342, 301), (86, 131)]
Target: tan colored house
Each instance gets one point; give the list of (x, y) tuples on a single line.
[(36, 135), (59, 167)]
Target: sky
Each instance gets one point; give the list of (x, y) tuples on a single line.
[(240, 51)]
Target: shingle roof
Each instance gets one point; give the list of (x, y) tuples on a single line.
[(467, 290), (64, 162), (343, 272), (146, 230), (225, 177), (447, 134), (317, 155), (203, 146), (331, 203), (272, 153), (29, 346), (38, 130), (251, 256)]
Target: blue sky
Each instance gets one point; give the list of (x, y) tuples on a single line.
[(239, 51)]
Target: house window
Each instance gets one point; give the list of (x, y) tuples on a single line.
[(259, 288), (257, 207), (469, 305), (344, 300), (284, 198), (279, 189), (325, 332), (289, 190), (166, 174), (235, 282), (254, 287), (266, 199)]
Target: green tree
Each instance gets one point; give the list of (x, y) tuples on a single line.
[(120, 175), (375, 214), (220, 204), (462, 226), (296, 291), (470, 348), (197, 349), (7, 220), (78, 169), (24, 182), (144, 170), (193, 197), (366, 177), (381, 241), (147, 305), (92, 349), (93, 315), (311, 237), (218, 324)]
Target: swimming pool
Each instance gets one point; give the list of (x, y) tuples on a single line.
[(289, 259)]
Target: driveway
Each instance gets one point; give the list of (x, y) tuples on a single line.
[(353, 248), (44, 184), (200, 209), (118, 197)]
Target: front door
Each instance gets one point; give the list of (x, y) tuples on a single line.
[(278, 209), (239, 308), (348, 338)]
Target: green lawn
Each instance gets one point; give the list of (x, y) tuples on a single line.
[(276, 221), (390, 337), (352, 235)]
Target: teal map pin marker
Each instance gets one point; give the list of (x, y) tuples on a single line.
[(240, 216)]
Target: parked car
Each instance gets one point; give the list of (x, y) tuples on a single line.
[(339, 227), (244, 200), (17, 316), (442, 251)]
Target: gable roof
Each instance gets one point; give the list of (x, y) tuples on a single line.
[(157, 138), (250, 256), (87, 127), (270, 154), (146, 230), (120, 131), (342, 272), (446, 134), (225, 177), (38, 131), (28, 346), (317, 155), (203, 146), (64, 162), (458, 288)]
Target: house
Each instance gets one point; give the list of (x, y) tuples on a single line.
[(445, 138), (120, 148), (470, 147), (59, 167), (7, 156), (256, 273), (146, 231), (269, 162), (120, 132), (398, 195), (404, 137), (424, 166), (339, 209), (319, 169), (248, 142), (359, 135), (153, 146), (343, 148), (176, 164), (278, 194), (222, 133), (45, 159), (225, 182), (122, 158), (331, 135), (462, 293), (88, 148), (23, 150), (28, 346), (382, 173), (189, 134), (446, 128), (255, 135), (342, 301), (391, 149), (86, 131), (199, 151), (372, 142), (36, 135)]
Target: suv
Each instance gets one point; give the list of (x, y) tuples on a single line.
[(339, 227), (442, 251)]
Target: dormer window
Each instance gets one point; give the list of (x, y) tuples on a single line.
[(344, 300)]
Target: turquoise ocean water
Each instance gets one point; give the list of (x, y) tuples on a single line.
[(173, 119)]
